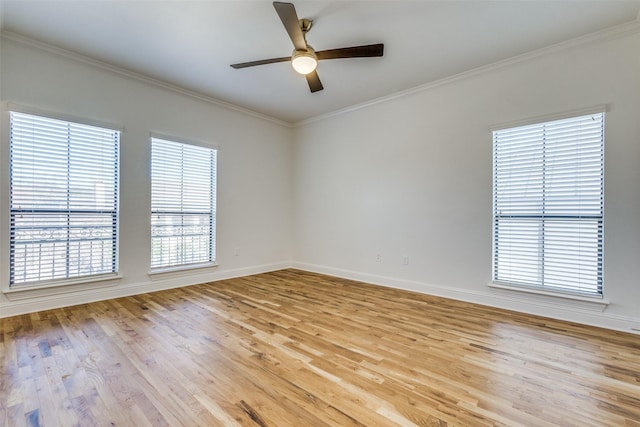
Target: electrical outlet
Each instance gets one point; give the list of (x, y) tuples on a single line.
[(236, 251), (405, 260), (378, 258)]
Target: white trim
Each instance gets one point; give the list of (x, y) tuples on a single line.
[(181, 268), (8, 35), (538, 305), (35, 111), (5, 197), (508, 146), (606, 34), (571, 311), (167, 146), (181, 140), (34, 304), (46, 289), (596, 109), (597, 301)]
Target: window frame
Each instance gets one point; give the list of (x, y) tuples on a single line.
[(212, 259), (542, 289), (50, 286)]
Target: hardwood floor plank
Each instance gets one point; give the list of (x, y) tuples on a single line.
[(292, 348)]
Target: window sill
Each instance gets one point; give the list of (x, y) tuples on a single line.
[(181, 268), (596, 303), (45, 289)]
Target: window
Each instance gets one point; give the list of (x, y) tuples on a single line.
[(63, 200), (548, 205), (183, 200)]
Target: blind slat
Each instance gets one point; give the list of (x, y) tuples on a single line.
[(183, 193), (548, 204), (64, 199)]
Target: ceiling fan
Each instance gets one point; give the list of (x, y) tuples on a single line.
[(304, 59)]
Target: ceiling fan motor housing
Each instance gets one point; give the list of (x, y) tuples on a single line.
[(304, 61)]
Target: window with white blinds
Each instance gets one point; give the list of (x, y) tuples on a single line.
[(63, 199), (183, 200), (548, 205)]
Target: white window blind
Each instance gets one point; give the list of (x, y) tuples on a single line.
[(64, 199), (183, 200), (548, 205)]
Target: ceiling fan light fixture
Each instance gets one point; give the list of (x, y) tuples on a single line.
[(304, 61)]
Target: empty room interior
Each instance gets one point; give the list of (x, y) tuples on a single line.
[(320, 213)]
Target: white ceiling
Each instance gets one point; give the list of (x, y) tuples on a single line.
[(191, 43)]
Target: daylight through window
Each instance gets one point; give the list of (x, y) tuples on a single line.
[(63, 199), (548, 205), (183, 200)]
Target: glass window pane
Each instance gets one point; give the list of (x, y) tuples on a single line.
[(64, 199), (548, 205), (183, 188)]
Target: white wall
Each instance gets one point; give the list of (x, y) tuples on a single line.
[(254, 169), (412, 176)]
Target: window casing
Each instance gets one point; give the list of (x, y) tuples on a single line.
[(183, 200), (548, 205), (63, 200)]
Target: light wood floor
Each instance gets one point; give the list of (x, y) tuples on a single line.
[(298, 349)]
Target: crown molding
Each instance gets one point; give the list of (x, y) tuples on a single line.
[(133, 75), (618, 31)]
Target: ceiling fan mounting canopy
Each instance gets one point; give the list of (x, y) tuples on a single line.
[(305, 25), (304, 58)]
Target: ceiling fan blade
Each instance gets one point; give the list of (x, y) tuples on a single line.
[(289, 18), (314, 82), (365, 51), (261, 62)]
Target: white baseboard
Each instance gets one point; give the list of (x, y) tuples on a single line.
[(155, 283), (540, 305), (573, 311)]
